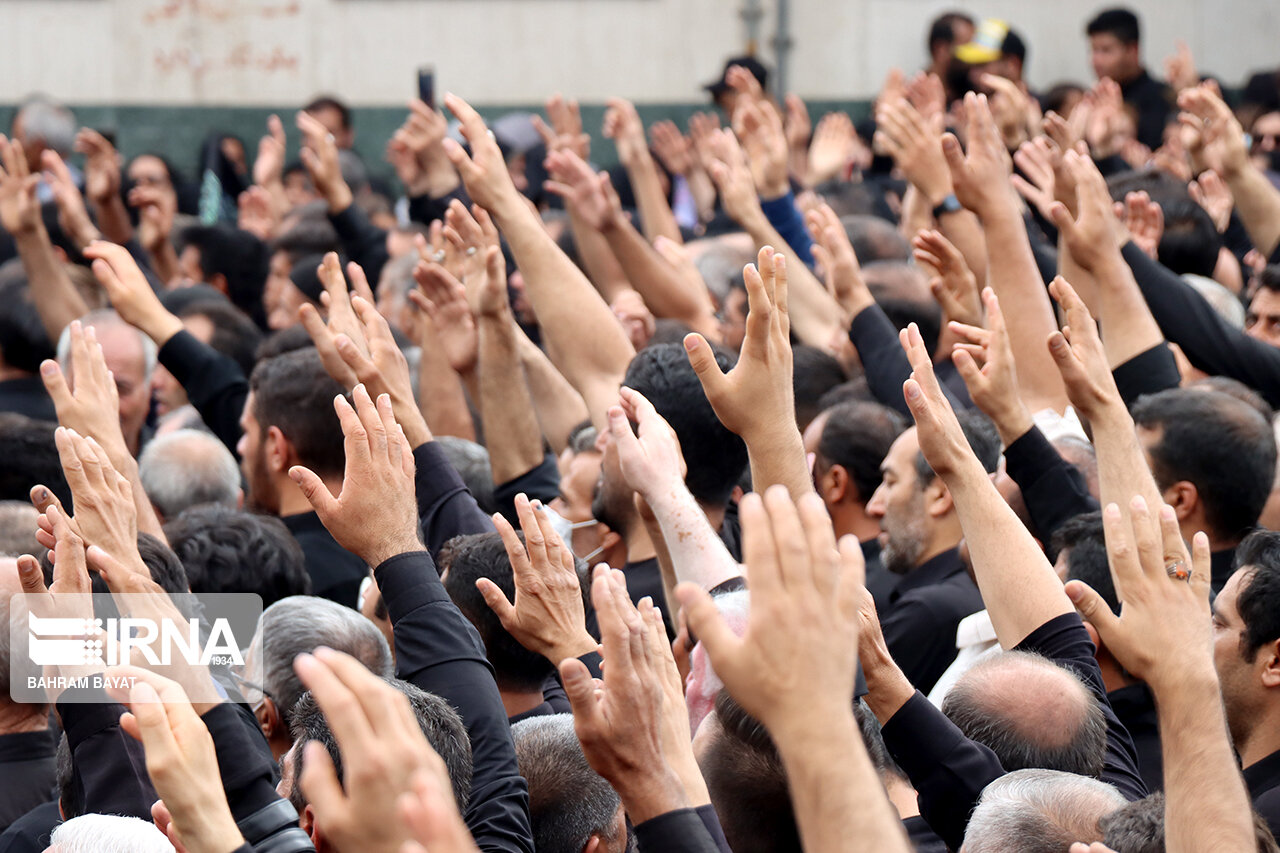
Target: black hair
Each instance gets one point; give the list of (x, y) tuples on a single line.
[(240, 257), (983, 440), (329, 102), (1119, 22), (926, 315), (1220, 444), (1087, 555), (1014, 46), (228, 550), (31, 458), (875, 239), (715, 455), (813, 373), (308, 236), (1269, 278), (1056, 98), (482, 555), (856, 390), (943, 28), (1190, 242), (1259, 598), (294, 393), (282, 341), (748, 783), (857, 436), (24, 343), (436, 718), (70, 787), (234, 334), (1138, 827)]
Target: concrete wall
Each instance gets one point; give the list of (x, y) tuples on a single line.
[(271, 52)]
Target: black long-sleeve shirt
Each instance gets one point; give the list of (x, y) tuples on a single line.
[(28, 773), (1053, 490), (214, 383), (363, 242), (1209, 342), (446, 508), (1148, 372), (886, 365), (335, 572), (439, 650), (1262, 778), (680, 831)]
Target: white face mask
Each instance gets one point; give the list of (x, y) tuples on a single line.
[(564, 529)]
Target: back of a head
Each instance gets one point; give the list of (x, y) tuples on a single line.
[(814, 373), (983, 440), (187, 468), (482, 555), (311, 233), (1082, 537), (747, 782), (568, 801), (230, 550), (1119, 22), (1190, 243), (1031, 713), (100, 833), (716, 457), (234, 333), (437, 720), (1220, 444), (1138, 827), (30, 458), (294, 393), (1039, 811), (102, 320), (50, 122), (942, 30), (18, 529), (1235, 388), (857, 437), (471, 461), (875, 239), (239, 257), (301, 623), (24, 343)]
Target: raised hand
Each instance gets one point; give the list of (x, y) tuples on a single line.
[(548, 616), (833, 148), (916, 147), (673, 148), (1093, 235), (1218, 139), (651, 461), (73, 216), (834, 253), (951, 282), (984, 359), (622, 124), (1144, 221), (444, 299), (1213, 194), (565, 132), (19, 209), (319, 155), (942, 441), (1077, 350), (268, 166), (590, 195), (732, 174), (980, 174), (101, 166), (104, 509), (257, 213), (375, 514), (91, 404), (484, 170), (157, 208), (1034, 159), (759, 127), (130, 293), (1180, 68), (797, 125)]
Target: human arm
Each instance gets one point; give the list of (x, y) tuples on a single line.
[(558, 406), (755, 399), (952, 283), (416, 151), (794, 667), (622, 125), (764, 141), (102, 185), (268, 165), (157, 207)]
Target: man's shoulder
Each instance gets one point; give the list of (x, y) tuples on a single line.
[(953, 597)]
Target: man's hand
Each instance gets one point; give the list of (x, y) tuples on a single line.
[(672, 147), (375, 514), (1213, 194), (157, 207), (105, 515), (1220, 144), (1144, 221), (833, 148), (180, 758), (1034, 160), (268, 166), (755, 398), (548, 616), (677, 739), (565, 132), (101, 166), (622, 124), (1077, 350), (980, 175), (1093, 235), (19, 209), (73, 216), (589, 195), (444, 299), (483, 171), (942, 442), (130, 293), (759, 127), (794, 667), (319, 155), (1011, 107), (651, 462), (994, 385), (731, 173), (383, 754), (834, 254), (1164, 630), (619, 720), (91, 405), (916, 146), (1180, 68), (952, 283), (256, 213)]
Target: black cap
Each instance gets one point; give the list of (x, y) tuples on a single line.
[(748, 62)]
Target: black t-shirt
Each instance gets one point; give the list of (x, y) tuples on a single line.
[(1263, 781)]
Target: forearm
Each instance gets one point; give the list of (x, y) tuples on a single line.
[(1013, 275), (916, 213), (964, 231), (1258, 206), (1122, 467), (661, 287), (1127, 324), (113, 219), (55, 299), (1206, 804), (779, 457), (786, 219), (816, 317), (559, 408), (698, 554), (655, 214), (164, 260), (440, 395), (597, 259), (506, 408)]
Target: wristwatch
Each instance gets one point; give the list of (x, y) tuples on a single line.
[(950, 204)]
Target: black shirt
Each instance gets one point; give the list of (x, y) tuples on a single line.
[(30, 833), (880, 581), (1262, 778), (1135, 707), (1053, 490), (27, 396), (1153, 101), (1222, 565), (214, 383), (922, 837), (924, 612), (28, 773), (886, 366), (335, 572)]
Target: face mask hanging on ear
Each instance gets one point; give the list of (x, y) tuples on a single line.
[(564, 529)]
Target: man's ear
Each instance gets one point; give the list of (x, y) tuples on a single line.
[(278, 451), (593, 845), (1184, 497), (219, 282), (834, 485), (1269, 657), (609, 538), (937, 498), (269, 719), (307, 823)]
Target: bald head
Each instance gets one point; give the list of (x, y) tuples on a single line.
[(1031, 712), (187, 468)]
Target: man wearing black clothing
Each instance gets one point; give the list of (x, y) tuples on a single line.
[(1115, 51), (921, 535), (27, 746)]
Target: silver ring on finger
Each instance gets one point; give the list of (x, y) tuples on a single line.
[(1178, 570)]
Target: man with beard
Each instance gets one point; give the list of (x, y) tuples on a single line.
[(289, 420), (921, 536)]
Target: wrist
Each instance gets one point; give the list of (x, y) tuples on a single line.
[(386, 550), (339, 198), (651, 794), (160, 327), (570, 647), (936, 193), (1013, 424)]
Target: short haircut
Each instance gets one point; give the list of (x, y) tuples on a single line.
[(1190, 244), (229, 550), (240, 257), (1235, 388), (310, 235), (814, 373), (24, 343), (715, 455), (18, 529), (1138, 827), (1087, 555), (983, 440), (471, 461), (1259, 598), (30, 458), (857, 436), (568, 801), (482, 555), (1119, 22), (1269, 278), (1221, 445), (186, 468), (875, 238), (748, 783), (438, 721), (301, 623), (108, 833), (1052, 730), (234, 333), (1039, 811), (294, 393), (329, 102), (163, 565), (943, 28)]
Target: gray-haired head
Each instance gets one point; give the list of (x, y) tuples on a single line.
[(18, 530), (298, 625), (1039, 811), (101, 319), (45, 120), (187, 468), (568, 801), (471, 461), (101, 833)]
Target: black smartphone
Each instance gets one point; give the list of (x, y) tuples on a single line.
[(427, 85)]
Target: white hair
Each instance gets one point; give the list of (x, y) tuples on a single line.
[(103, 318), (186, 468), (1039, 811), (50, 122), (106, 833)]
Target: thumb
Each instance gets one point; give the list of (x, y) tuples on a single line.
[(1093, 609), (30, 575), (580, 687), (496, 601), (314, 490), (1062, 355), (1062, 218), (703, 361), (952, 153), (968, 369), (55, 383)]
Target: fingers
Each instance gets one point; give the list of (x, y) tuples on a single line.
[(703, 360), (315, 491), (1122, 553), (1092, 608)]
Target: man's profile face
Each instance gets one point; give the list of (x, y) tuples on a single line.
[(1241, 693), (1112, 58), (1263, 318), (899, 506), (281, 298), (149, 171), (579, 473), (253, 464)]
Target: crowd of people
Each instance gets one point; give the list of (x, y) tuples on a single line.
[(907, 484)]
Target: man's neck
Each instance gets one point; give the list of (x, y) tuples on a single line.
[(294, 502), (520, 701), (850, 519), (15, 719), (939, 543), (1263, 739), (639, 546), (901, 795)]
